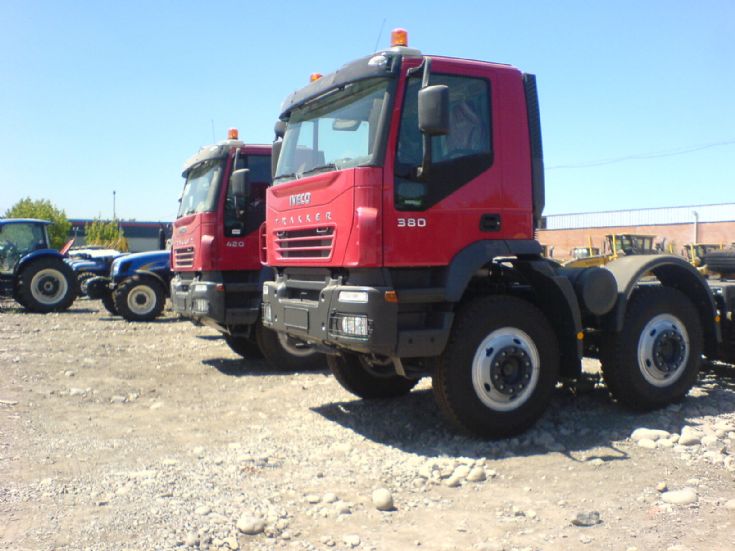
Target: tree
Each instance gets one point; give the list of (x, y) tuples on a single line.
[(107, 234), (43, 209)]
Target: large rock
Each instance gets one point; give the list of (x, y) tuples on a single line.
[(690, 437), (250, 525), (383, 500), (685, 496), (648, 434)]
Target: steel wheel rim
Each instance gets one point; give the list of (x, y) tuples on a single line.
[(141, 300), (663, 350), (506, 382), (48, 286), (294, 347)]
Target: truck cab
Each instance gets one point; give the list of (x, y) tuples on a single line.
[(401, 225), (215, 251)]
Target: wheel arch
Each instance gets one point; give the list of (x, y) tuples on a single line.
[(36, 255), (670, 271)]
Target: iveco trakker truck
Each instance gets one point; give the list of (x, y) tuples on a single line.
[(218, 275), (401, 227)]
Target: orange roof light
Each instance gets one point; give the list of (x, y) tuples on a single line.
[(399, 37), (314, 76), (232, 134)]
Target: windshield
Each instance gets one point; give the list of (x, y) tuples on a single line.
[(336, 131), (200, 189)]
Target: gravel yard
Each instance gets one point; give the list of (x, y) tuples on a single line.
[(156, 436)]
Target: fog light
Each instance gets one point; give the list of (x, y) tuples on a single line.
[(267, 313), (353, 296), (354, 325), (200, 305), (265, 289)]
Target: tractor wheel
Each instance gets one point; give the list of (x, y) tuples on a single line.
[(285, 353), (722, 262), (109, 303), (46, 285), (366, 379), (82, 278), (139, 298), (244, 346), (655, 359), (499, 369)]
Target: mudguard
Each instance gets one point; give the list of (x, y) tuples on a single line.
[(33, 255), (670, 271)]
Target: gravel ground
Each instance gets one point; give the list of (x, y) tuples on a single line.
[(156, 436)]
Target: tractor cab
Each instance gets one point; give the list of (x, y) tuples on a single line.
[(18, 238)]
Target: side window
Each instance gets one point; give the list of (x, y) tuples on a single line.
[(260, 179), (460, 156)]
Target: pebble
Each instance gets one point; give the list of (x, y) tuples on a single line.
[(647, 443), (730, 505), (690, 436), (117, 399), (648, 434), (329, 498), (383, 500), (685, 496), (352, 540), (250, 525), (662, 487), (203, 510), (587, 519), (477, 474)]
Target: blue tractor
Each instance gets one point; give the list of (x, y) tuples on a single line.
[(89, 262), (137, 286), (31, 272)]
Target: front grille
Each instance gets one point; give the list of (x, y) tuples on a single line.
[(184, 257), (312, 243)]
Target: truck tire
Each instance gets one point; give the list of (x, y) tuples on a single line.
[(244, 346), (46, 285), (109, 304), (499, 369), (722, 262), (368, 381), (139, 298), (285, 354), (82, 278), (655, 359)]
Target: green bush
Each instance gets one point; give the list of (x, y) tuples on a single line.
[(106, 234)]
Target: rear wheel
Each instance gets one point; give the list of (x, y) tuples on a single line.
[(285, 353), (82, 279), (366, 379), (139, 298), (46, 285), (655, 359), (499, 369)]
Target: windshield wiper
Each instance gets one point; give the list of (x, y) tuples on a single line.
[(320, 168)]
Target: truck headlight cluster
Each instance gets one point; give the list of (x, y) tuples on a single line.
[(200, 305), (353, 296), (351, 325), (267, 312)]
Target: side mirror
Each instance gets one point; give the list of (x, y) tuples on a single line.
[(434, 110), (275, 154), (239, 183), (280, 128)]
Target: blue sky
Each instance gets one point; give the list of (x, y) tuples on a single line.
[(102, 96)]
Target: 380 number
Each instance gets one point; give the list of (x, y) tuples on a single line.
[(412, 222), (235, 244)]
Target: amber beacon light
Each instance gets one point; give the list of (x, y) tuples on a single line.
[(232, 134), (399, 37), (314, 76)]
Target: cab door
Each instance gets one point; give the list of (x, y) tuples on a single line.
[(429, 218)]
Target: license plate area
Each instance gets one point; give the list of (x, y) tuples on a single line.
[(298, 318)]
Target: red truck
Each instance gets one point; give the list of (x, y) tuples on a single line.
[(218, 276), (401, 227)]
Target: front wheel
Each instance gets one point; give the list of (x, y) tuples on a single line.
[(46, 285), (109, 303), (244, 346), (655, 359), (139, 298), (82, 279), (285, 353), (366, 379), (499, 369)]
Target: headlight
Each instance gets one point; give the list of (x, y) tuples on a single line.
[(265, 289), (267, 313), (200, 305), (353, 296), (200, 288), (353, 325)]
